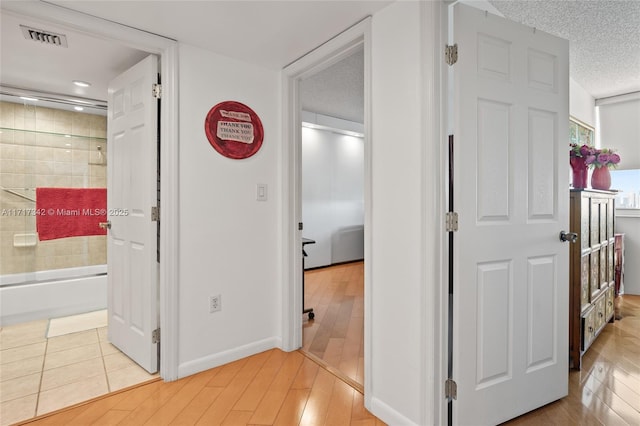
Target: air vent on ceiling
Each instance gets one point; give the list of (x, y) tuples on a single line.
[(42, 36)]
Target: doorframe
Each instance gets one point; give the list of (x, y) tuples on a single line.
[(341, 46), (167, 50)]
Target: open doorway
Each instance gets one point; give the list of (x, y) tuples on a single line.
[(115, 35), (352, 46), (54, 343), (332, 171)]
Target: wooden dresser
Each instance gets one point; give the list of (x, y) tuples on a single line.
[(591, 269)]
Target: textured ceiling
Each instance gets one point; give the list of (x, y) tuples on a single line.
[(604, 39), (337, 91)]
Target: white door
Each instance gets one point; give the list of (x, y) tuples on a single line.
[(511, 115), (131, 193)]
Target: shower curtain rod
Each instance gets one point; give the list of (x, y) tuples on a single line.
[(53, 97)]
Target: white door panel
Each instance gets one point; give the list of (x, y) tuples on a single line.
[(131, 193), (511, 115)]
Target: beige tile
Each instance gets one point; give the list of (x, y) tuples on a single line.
[(25, 334), (73, 393), (72, 373), (23, 367), (117, 361), (22, 352), (125, 377), (17, 388), (18, 409), (103, 334), (108, 348), (72, 356), (73, 340)]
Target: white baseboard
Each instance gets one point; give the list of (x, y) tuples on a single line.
[(388, 415), (215, 360)]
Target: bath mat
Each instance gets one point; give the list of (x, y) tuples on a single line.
[(76, 323)]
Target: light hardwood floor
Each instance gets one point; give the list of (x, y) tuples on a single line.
[(606, 391), (277, 388), (336, 334), (270, 388)]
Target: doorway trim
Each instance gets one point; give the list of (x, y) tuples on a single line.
[(341, 46), (167, 50)]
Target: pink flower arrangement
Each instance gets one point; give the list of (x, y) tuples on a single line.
[(596, 158)]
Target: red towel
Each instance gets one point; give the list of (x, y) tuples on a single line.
[(70, 212)]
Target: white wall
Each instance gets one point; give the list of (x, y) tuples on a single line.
[(630, 226), (332, 196), (228, 240), (396, 218), (620, 129), (581, 104)]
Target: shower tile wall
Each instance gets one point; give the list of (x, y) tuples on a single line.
[(44, 147)]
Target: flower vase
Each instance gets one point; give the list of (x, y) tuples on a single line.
[(601, 178), (580, 171)]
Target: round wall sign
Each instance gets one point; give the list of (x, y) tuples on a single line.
[(234, 130)]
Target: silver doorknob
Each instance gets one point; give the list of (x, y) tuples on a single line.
[(571, 237), (105, 225)]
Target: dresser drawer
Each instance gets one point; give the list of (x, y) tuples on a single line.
[(609, 308), (601, 311), (588, 327)]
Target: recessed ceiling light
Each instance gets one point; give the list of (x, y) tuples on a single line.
[(81, 83), (27, 98), (78, 108)]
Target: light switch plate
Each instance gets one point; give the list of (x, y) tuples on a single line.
[(261, 192)]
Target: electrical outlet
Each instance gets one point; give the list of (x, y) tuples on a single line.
[(215, 303)]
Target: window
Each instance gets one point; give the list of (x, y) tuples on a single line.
[(628, 183)]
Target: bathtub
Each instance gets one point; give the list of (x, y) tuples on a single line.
[(39, 295)]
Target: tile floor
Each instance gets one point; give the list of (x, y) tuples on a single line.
[(40, 375)]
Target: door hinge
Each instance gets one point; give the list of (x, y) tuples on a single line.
[(451, 389), (155, 214), (451, 53), (300, 226), (155, 336), (451, 221), (157, 91)]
